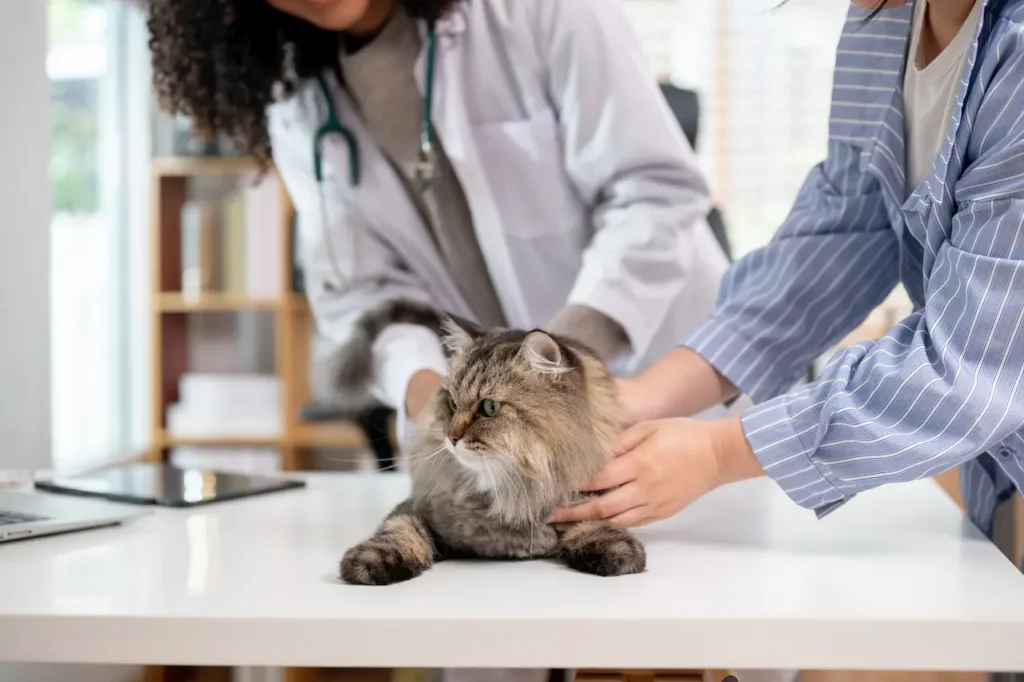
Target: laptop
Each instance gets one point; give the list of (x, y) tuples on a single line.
[(30, 514)]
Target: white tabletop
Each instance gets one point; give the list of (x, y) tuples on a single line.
[(741, 579)]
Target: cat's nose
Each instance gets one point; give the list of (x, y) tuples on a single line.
[(454, 438)]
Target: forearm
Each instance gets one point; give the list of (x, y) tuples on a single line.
[(922, 400), (681, 384), (420, 389)]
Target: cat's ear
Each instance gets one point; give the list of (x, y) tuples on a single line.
[(543, 354), (458, 334)]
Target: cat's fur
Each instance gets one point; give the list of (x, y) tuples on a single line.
[(490, 493)]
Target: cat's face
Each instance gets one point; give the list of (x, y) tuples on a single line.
[(514, 407)]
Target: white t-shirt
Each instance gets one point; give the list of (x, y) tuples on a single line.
[(930, 93)]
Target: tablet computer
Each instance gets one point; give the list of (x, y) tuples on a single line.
[(155, 483)]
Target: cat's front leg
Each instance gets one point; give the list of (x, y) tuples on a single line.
[(601, 549), (400, 549)]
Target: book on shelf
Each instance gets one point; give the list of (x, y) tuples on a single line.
[(200, 248), (235, 244), (212, 405), (233, 256), (264, 237)]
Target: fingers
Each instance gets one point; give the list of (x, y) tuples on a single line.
[(638, 516), (619, 471), (633, 436), (611, 504)]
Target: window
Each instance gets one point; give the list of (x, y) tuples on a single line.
[(774, 104), (763, 71), (98, 182)]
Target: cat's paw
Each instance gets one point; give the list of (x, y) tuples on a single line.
[(603, 550), (381, 563)]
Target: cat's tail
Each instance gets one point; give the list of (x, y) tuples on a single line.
[(349, 369)]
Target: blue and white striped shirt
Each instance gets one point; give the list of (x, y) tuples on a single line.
[(945, 386)]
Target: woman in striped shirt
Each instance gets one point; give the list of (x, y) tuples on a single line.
[(922, 185)]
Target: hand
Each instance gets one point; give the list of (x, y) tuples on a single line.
[(422, 387), (660, 467)]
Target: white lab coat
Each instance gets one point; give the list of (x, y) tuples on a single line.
[(582, 187)]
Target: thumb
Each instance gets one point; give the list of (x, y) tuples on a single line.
[(633, 436)]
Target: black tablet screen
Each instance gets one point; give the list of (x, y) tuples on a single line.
[(166, 485)]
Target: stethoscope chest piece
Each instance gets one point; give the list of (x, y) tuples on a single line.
[(424, 169)]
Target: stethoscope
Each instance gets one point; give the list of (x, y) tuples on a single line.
[(423, 172)]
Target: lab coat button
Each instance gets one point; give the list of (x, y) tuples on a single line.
[(1005, 452)]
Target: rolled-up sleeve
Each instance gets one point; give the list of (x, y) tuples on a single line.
[(940, 388), (834, 259)]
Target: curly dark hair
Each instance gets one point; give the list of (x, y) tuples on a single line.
[(220, 62)]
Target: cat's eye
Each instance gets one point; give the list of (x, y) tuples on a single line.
[(451, 404), (490, 407)]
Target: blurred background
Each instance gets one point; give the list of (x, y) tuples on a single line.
[(762, 75), (125, 346)]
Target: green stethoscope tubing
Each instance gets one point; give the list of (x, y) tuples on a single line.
[(333, 126)]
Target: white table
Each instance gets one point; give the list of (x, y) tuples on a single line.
[(742, 579)]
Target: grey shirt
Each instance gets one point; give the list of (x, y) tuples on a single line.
[(380, 77)]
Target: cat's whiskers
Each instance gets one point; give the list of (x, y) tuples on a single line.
[(502, 506), (511, 508), (486, 467), (529, 509), (522, 509), (432, 455), (395, 461), (508, 472)]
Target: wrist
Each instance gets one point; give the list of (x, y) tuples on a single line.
[(636, 399), (421, 388), (735, 459)]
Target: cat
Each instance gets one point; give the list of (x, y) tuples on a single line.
[(520, 424)]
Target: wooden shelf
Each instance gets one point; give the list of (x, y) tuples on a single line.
[(328, 435), (304, 435), (170, 441), (294, 328), (175, 302), (299, 303), (188, 166)]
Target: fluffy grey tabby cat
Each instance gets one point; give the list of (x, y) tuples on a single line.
[(522, 421)]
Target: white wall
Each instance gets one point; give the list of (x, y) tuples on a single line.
[(24, 274), (24, 237)]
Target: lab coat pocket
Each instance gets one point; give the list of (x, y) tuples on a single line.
[(524, 165)]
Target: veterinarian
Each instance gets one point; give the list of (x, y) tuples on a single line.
[(923, 184), (510, 161)]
